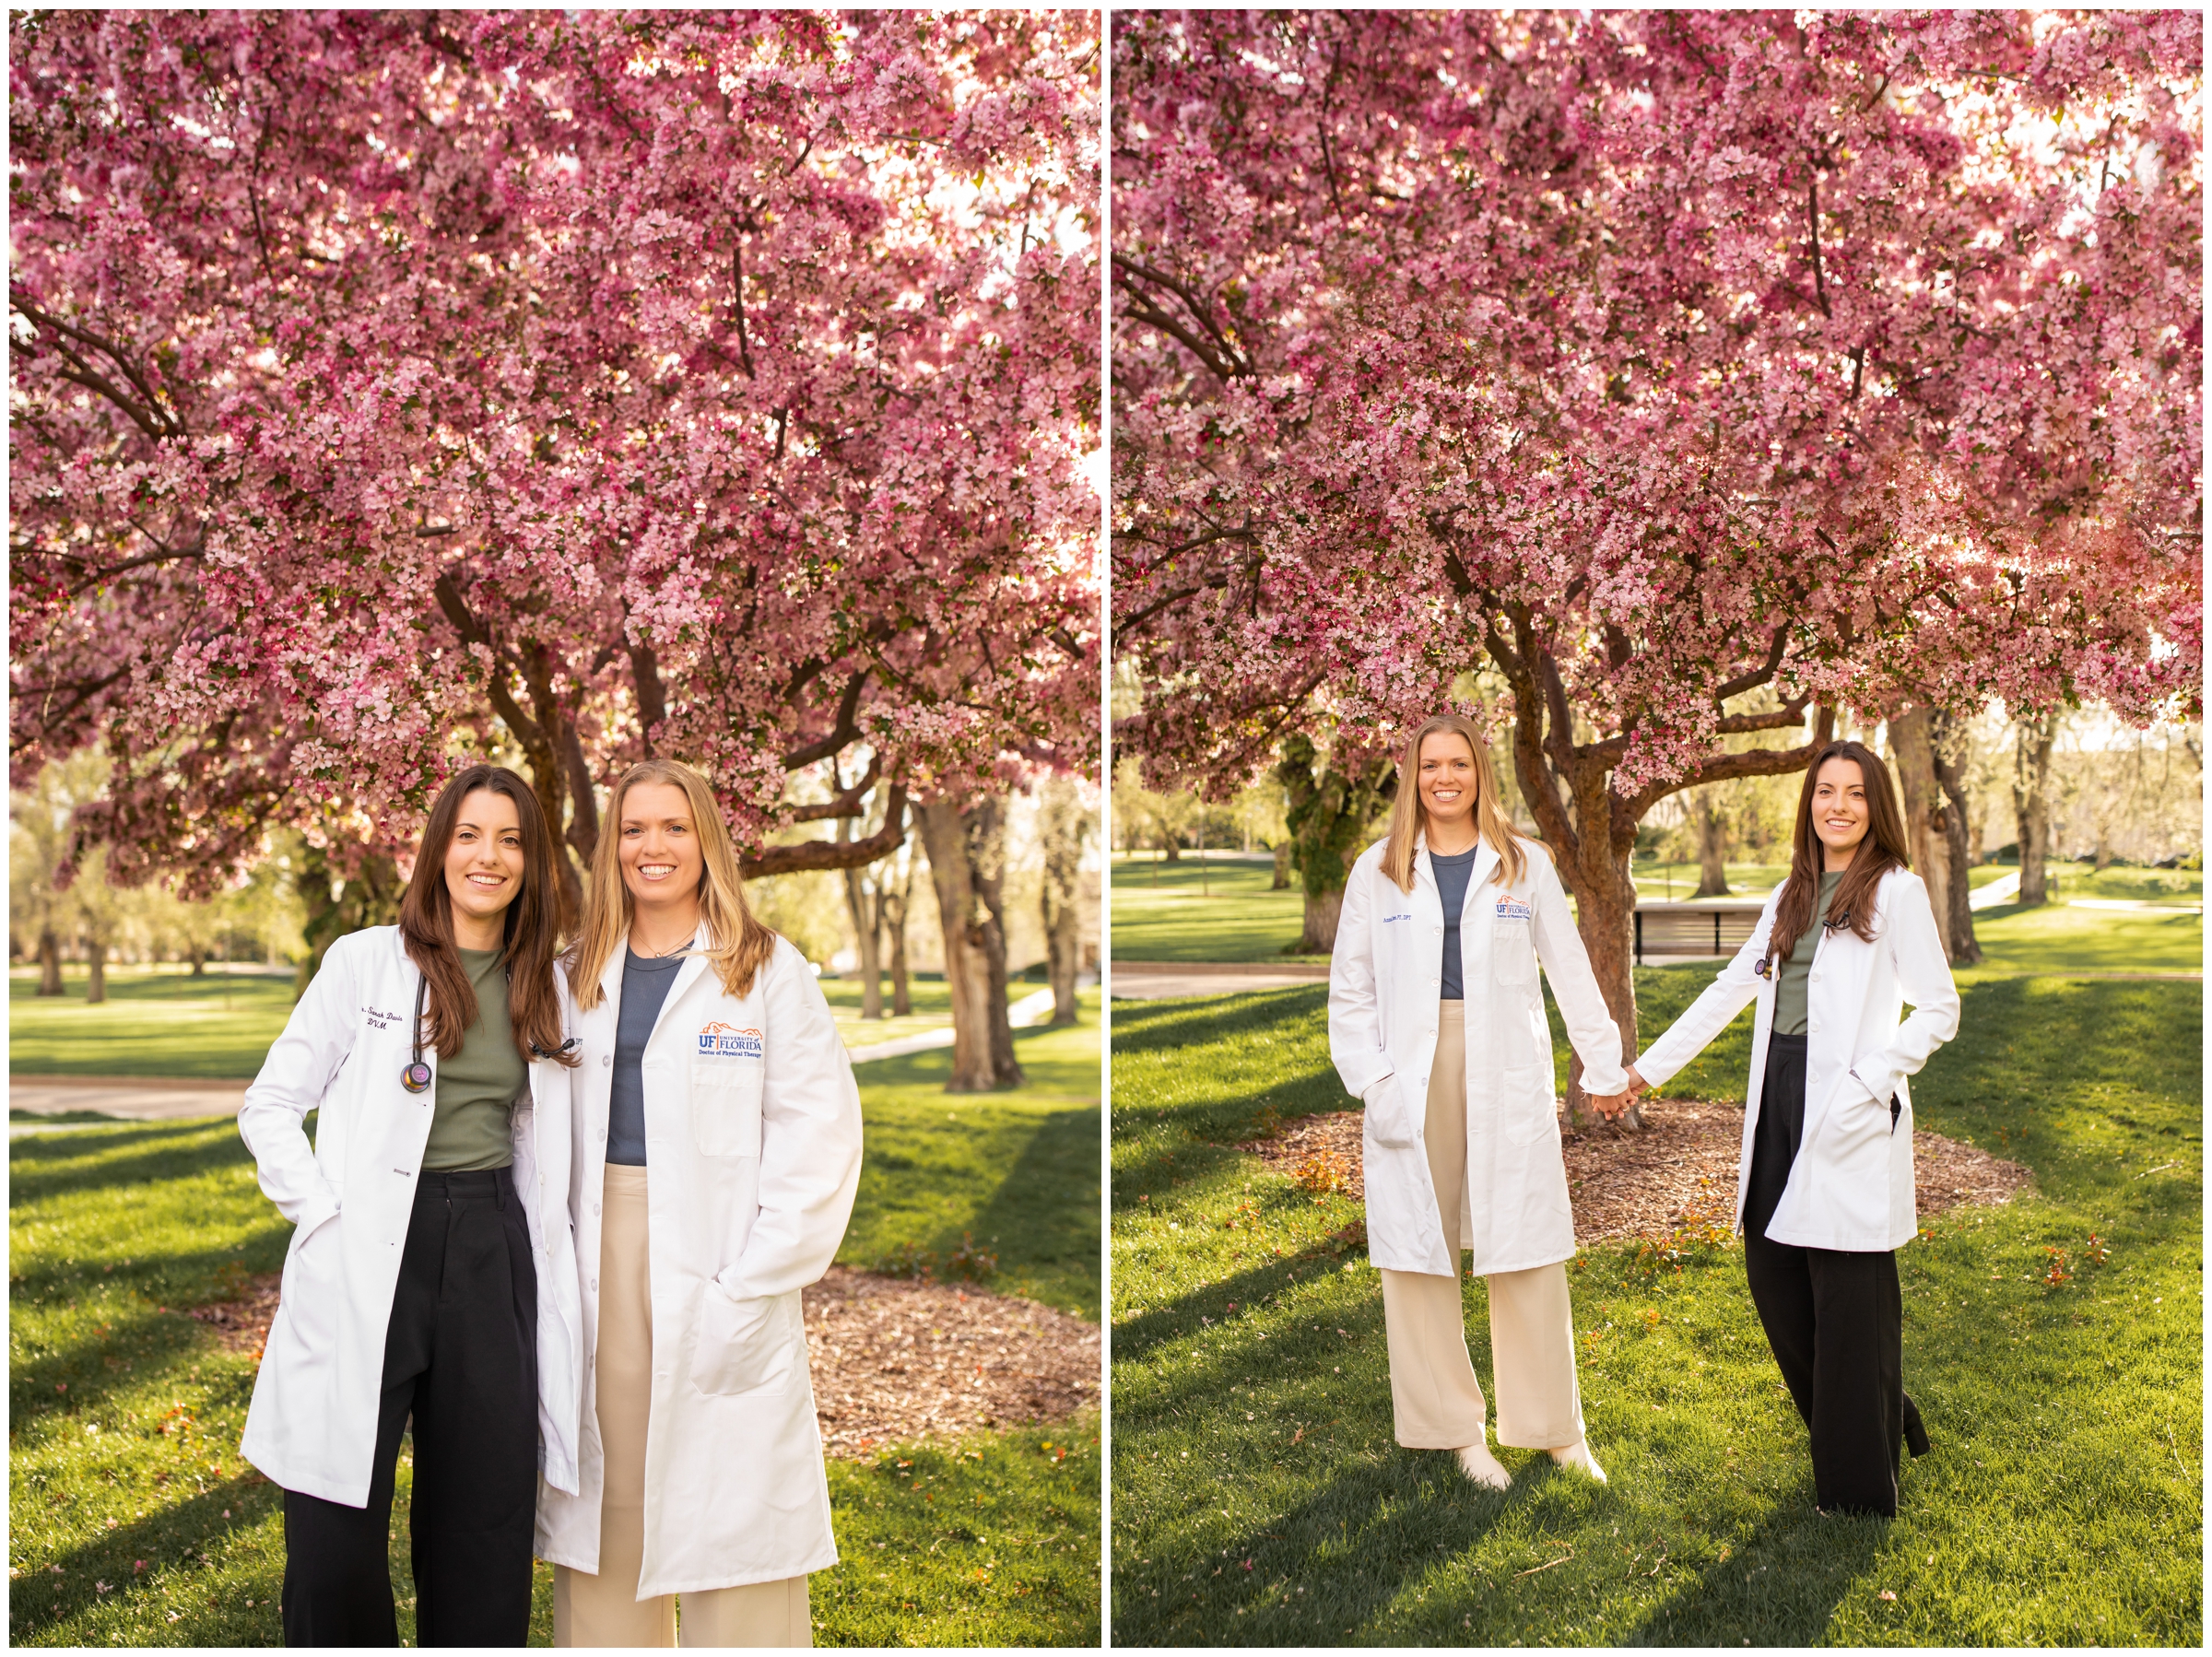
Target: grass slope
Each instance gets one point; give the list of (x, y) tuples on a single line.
[(1259, 1498), (1224, 912), (2023, 942), (164, 1024), (125, 1414)]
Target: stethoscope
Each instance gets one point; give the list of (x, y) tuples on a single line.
[(1765, 966), (416, 1077)]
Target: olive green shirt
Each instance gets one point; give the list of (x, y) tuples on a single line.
[(477, 1087), (1790, 980)]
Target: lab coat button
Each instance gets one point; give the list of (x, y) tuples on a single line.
[(595, 1285), (595, 1208), (605, 1059)]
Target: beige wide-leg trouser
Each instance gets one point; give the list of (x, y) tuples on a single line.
[(605, 1610), (1437, 1400)]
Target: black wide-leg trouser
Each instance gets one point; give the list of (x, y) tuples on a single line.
[(1834, 1319), (461, 1357)]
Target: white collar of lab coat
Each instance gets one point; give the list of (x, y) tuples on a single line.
[(695, 963), (1485, 859)]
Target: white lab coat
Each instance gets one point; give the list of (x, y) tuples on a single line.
[(752, 1133), (1851, 1187), (1383, 985), (311, 1426)]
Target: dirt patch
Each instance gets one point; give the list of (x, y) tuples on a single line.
[(1680, 1170), (242, 1324), (896, 1360), (891, 1360)]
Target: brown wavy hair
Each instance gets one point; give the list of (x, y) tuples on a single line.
[(1883, 849), (1409, 817), (737, 943), (530, 927)]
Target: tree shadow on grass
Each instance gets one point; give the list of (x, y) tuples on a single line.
[(1045, 1213), (1779, 1588), (42, 1166), (44, 1602)]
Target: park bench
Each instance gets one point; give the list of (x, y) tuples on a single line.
[(1696, 926)]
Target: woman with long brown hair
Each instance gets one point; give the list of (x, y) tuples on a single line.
[(717, 1151), (431, 1274), (1824, 1187), (1436, 1023)]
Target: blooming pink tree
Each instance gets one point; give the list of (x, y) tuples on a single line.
[(1695, 374), (592, 384)]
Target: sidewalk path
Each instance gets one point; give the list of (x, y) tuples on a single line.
[(146, 1098), (1162, 980)]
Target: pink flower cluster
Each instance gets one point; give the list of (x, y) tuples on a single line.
[(1687, 368), (389, 386)]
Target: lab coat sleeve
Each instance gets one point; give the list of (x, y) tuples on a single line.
[(1590, 1027), (1924, 976), (809, 1139), (1355, 1015), (298, 1072), (1724, 997)]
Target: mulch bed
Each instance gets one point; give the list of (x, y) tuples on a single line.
[(893, 1360), (1679, 1172)]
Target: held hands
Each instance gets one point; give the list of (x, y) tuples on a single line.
[(1611, 1105)]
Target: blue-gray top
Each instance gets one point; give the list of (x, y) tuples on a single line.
[(1451, 886), (645, 981)]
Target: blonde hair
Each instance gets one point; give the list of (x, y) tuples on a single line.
[(737, 943), (1409, 818)]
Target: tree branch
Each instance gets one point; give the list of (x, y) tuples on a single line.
[(834, 854)]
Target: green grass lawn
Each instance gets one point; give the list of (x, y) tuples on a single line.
[(1665, 882), (2062, 1504), (1224, 912), (158, 1022), (125, 1414), (2148, 886), (2058, 938)]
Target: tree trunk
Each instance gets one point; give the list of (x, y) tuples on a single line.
[(1947, 745), (863, 907), (867, 936), (370, 899), (987, 824), (1912, 739), (1062, 822), (957, 842), (1281, 882), (1170, 851), (2033, 739), (95, 983), (894, 900), (1320, 935), (1330, 813), (197, 956), (1606, 920), (50, 962), (1713, 845)]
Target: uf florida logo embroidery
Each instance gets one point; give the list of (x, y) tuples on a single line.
[(1513, 908), (719, 1040)]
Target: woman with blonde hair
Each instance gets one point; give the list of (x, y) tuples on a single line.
[(1436, 1022), (717, 1151)]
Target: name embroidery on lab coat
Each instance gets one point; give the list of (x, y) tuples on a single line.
[(719, 1040), (1513, 908)]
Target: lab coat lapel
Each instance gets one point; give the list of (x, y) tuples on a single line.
[(695, 964)]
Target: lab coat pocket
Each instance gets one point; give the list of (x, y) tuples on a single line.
[(725, 1107), (749, 1347), (1526, 1103), (313, 1288), (1513, 945)]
